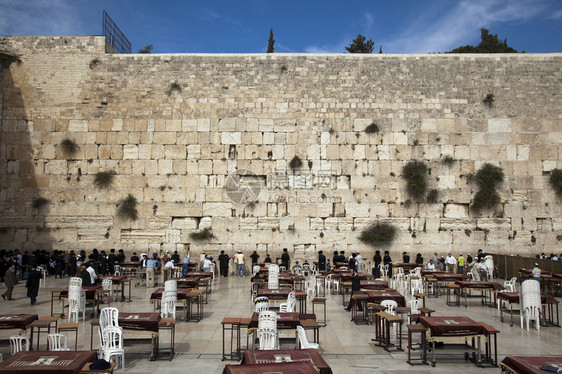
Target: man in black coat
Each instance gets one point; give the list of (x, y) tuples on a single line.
[(223, 264), (285, 259), (32, 284), (355, 286), (10, 280), (321, 261)]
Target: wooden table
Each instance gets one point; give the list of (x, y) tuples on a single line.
[(60, 362)]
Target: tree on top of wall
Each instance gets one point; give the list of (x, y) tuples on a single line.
[(270, 42), (489, 44), (360, 45)]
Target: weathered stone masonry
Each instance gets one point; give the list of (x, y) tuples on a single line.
[(174, 126)]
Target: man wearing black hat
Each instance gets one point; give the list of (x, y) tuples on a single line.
[(223, 264), (32, 284), (285, 259), (321, 261)]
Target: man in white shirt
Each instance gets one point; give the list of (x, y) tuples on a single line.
[(207, 263), (430, 265), (359, 261), (450, 261), (93, 275)]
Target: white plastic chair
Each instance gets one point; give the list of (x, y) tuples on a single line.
[(282, 268), (18, 344), (383, 271), (116, 270), (113, 345), (416, 286), (107, 284), (303, 340), (490, 266), (255, 269), (109, 317), (291, 303), (267, 338), (414, 305), (390, 306), (75, 307), (510, 284), (254, 290), (57, 342)]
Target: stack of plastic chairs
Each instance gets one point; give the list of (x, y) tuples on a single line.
[(261, 303), (113, 340), (273, 277), (530, 302), (111, 335), (169, 299), (291, 303), (76, 300), (267, 330)]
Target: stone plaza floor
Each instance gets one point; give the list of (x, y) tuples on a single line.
[(345, 346)]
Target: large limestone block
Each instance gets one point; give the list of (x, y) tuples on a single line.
[(78, 125), (231, 138), (130, 152), (499, 125), (217, 209)]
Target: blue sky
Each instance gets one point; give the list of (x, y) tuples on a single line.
[(242, 26)]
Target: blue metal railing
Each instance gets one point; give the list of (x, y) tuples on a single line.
[(114, 36)]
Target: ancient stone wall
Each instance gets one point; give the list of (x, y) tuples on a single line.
[(174, 127)]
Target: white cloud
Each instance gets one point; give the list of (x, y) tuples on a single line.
[(212, 15), (39, 17), (432, 33)]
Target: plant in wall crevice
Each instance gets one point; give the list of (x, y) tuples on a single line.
[(488, 178), (556, 181), (433, 196), (127, 208), (103, 179), (415, 174), (448, 160), (489, 100), (379, 234), (295, 163), (69, 146), (174, 87), (39, 202), (204, 234), (373, 128)]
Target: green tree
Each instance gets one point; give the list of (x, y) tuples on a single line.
[(359, 45), (146, 49), (270, 42), (489, 44)]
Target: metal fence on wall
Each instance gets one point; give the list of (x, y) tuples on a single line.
[(114, 36)]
